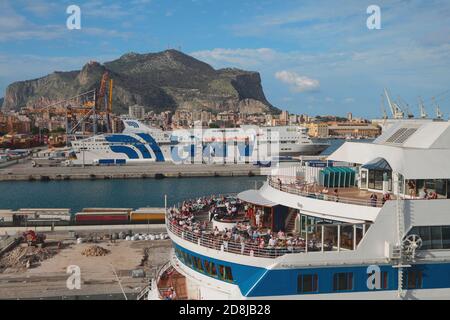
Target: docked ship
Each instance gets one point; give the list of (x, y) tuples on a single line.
[(139, 143), (372, 224)]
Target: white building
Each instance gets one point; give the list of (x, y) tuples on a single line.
[(136, 112)]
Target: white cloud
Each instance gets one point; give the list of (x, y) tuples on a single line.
[(40, 8), (236, 57), (298, 83), (349, 100)]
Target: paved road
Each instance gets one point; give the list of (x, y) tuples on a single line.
[(25, 170), (135, 227)]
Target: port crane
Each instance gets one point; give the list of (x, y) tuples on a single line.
[(400, 106), (439, 115), (84, 112), (405, 106), (397, 112), (383, 110), (423, 112)]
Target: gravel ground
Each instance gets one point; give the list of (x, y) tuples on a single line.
[(99, 275)]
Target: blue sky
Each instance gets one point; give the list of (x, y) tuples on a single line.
[(314, 56)]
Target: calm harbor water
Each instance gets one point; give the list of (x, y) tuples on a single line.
[(129, 193)]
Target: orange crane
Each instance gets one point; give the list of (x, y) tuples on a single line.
[(101, 97), (104, 102)]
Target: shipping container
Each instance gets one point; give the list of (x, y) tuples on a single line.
[(110, 217), (148, 214), (95, 210), (6, 216)]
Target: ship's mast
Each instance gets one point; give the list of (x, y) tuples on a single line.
[(400, 233)]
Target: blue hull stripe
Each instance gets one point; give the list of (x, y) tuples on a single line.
[(145, 153), (153, 145), (122, 138), (260, 282), (131, 154)]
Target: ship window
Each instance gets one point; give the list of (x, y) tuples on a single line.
[(225, 273), (222, 272), (436, 237), (198, 264), (228, 274), (210, 268), (187, 259), (307, 283), (433, 237), (384, 280), (414, 279), (446, 237), (343, 281)]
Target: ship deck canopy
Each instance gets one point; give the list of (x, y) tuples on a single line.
[(378, 164), (417, 149), (412, 163), (253, 197)]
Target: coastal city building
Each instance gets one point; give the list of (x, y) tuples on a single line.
[(136, 112), (354, 130)]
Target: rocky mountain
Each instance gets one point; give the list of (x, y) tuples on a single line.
[(1, 101), (167, 80)]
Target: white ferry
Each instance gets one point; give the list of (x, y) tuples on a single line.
[(373, 224), (139, 143)]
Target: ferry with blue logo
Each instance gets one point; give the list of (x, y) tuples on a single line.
[(374, 225), (140, 144)]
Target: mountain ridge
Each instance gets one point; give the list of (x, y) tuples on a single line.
[(167, 80)]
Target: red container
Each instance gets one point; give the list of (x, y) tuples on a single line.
[(101, 217)]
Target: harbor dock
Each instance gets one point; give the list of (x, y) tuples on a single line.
[(25, 172)]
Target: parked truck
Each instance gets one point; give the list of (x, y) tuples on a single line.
[(47, 162)]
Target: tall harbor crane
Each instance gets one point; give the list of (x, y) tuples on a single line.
[(397, 112), (439, 114), (383, 111), (84, 111), (423, 112), (405, 106)]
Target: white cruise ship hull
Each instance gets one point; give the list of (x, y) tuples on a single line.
[(307, 149), (141, 144)]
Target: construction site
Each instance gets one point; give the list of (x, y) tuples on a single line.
[(85, 114), (112, 264)]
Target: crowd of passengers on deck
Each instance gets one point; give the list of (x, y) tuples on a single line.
[(315, 191), (246, 235)]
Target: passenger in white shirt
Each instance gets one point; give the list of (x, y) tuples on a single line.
[(272, 242)]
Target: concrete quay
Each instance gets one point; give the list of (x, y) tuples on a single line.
[(25, 172)]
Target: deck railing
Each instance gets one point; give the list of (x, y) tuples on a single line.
[(231, 246), (300, 191)]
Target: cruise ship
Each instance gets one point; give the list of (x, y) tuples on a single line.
[(139, 143), (372, 223)]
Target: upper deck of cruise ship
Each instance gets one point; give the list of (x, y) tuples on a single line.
[(318, 206), (228, 224)]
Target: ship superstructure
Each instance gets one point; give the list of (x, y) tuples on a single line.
[(371, 223)]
